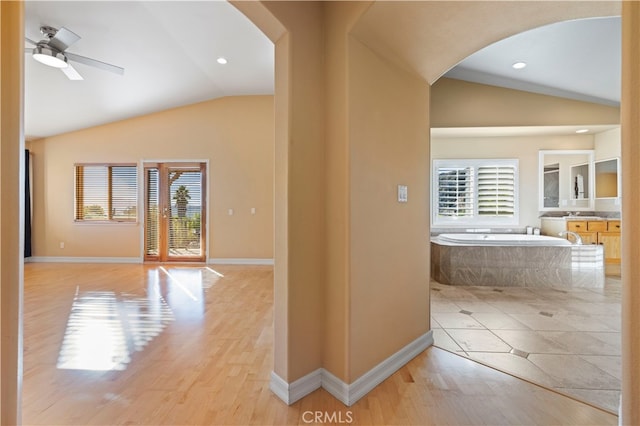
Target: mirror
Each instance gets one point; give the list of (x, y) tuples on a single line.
[(551, 185), (579, 181), (566, 180), (607, 178)]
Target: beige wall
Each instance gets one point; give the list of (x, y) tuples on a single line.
[(345, 249), (630, 111), (11, 209), (299, 271), (457, 103), (240, 177), (524, 148), (340, 18), (389, 145), (607, 144)]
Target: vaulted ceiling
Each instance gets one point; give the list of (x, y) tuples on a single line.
[(169, 50)]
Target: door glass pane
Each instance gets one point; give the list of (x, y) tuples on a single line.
[(153, 212), (185, 212)]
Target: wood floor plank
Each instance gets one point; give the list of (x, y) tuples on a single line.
[(200, 352)]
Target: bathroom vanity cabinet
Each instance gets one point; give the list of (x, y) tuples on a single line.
[(598, 231), (603, 232)]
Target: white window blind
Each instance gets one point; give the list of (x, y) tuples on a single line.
[(475, 192), (106, 192), (455, 191), (496, 190)]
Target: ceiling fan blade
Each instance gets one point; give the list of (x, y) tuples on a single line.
[(94, 63), (31, 41), (63, 39), (71, 73)]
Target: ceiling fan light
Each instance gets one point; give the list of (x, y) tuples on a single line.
[(49, 57)]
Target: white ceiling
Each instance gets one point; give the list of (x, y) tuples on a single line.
[(169, 51), (578, 59), (167, 48)]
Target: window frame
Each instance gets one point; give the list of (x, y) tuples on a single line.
[(78, 197), (475, 219)]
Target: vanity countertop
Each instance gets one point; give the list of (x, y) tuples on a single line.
[(589, 218)]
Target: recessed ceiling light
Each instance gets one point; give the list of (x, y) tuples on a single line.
[(582, 130), (518, 65), (221, 60)]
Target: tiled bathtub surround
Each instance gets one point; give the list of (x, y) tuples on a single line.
[(521, 266), (565, 339)]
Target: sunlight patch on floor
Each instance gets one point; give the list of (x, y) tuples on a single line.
[(105, 328)]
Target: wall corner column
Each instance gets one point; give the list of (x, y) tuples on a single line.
[(299, 239), (630, 111), (11, 208)]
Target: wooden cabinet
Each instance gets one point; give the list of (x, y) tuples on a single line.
[(604, 232), (611, 242), (588, 231)]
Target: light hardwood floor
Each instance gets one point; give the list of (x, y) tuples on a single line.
[(183, 345)]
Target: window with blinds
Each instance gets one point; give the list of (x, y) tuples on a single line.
[(475, 192), (455, 191), (106, 192), (496, 191)]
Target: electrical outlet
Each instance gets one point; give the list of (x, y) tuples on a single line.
[(61, 244)]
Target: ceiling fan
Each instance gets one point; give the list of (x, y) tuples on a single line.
[(52, 51)]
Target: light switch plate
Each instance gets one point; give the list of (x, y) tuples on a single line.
[(402, 193)]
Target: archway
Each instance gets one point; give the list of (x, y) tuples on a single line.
[(505, 317)]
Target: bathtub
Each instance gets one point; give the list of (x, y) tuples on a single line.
[(518, 260), (501, 240)]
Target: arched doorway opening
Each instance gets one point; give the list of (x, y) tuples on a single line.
[(549, 345)]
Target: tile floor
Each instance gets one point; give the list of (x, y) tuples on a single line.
[(568, 340)]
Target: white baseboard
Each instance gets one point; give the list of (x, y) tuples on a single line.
[(335, 387), (302, 387), (63, 259), (348, 394), (620, 421), (239, 261)]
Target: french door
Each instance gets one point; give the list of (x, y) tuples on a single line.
[(175, 212)]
